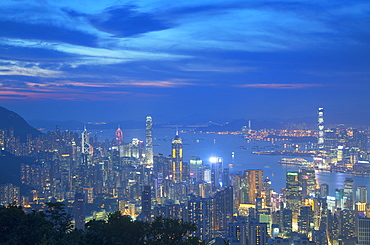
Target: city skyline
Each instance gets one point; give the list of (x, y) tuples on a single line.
[(119, 60)]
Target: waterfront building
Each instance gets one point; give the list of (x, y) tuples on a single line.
[(176, 161), (348, 193), (320, 125), (149, 140)]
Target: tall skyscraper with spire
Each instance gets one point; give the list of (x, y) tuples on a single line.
[(85, 147), (320, 125), (149, 140), (176, 162), (119, 136)]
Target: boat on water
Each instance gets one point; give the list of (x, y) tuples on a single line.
[(294, 162)]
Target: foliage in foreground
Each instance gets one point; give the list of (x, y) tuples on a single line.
[(54, 227)]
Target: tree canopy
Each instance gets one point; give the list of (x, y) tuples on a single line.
[(54, 226)]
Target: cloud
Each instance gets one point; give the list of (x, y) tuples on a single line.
[(14, 68), (279, 86), (125, 21), (45, 33)]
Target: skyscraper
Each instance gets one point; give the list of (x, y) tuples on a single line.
[(196, 170), (149, 140), (320, 125), (85, 146), (361, 194), (146, 204), (177, 160), (119, 136), (254, 182), (79, 211), (348, 193)]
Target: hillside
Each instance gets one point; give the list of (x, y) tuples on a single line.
[(11, 120)]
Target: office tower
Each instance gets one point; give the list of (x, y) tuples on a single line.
[(347, 219), (361, 194), (85, 145), (119, 136), (257, 233), (363, 231), (196, 170), (215, 164), (359, 140), (293, 195), (305, 220), (146, 204), (254, 180), (149, 140), (307, 180), (79, 211), (176, 155), (320, 125), (348, 193), (226, 177), (267, 190), (286, 222), (324, 190)]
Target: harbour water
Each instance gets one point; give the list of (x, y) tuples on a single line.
[(236, 153)]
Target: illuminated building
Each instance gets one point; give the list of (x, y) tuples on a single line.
[(348, 193), (305, 220), (199, 214), (257, 233), (196, 170), (324, 190), (254, 180), (85, 145), (79, 211), (293, 196), (347, 219), (177, 170), (238, 231), (119, 136), (267, 191), (149, 140), (223, 208), (9, 194), (320, 125), (216, 171), (308, 182), (361, 194), (146, 204)]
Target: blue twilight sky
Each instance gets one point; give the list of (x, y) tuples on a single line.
[(119, 60)]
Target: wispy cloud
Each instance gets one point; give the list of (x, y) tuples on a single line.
[(279, 85)]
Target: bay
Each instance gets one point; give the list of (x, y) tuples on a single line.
[(236, 153)]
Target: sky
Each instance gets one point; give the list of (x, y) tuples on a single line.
[(180, 60)]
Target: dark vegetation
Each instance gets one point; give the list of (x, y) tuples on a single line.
[(54, 227)]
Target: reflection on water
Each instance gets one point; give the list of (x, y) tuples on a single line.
[(236, 153)]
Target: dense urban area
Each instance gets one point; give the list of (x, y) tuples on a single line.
[(93, 179)]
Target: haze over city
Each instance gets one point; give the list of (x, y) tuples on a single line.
[(118, 60)]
